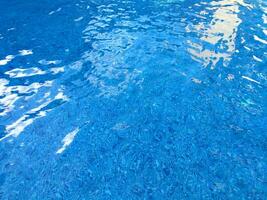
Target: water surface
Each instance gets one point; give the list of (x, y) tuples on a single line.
[(132, 99)]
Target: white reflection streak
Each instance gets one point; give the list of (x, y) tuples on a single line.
[(257, 59), (25, 52), (9, 99), (18, 126), (9, 58), (67, 140), (259, 39), (223, 27), (57, 70), (19, 73), (55, 11), (250, 79), (49, 62)]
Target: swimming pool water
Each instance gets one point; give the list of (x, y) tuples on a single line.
[(133, 99)]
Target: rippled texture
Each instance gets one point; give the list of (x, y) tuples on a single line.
[(156, 99)]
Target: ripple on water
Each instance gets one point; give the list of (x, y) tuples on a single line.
[(160, 99)]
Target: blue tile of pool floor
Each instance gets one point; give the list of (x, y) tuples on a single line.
[(133, 99)]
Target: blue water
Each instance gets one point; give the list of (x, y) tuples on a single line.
[(132, 99)]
